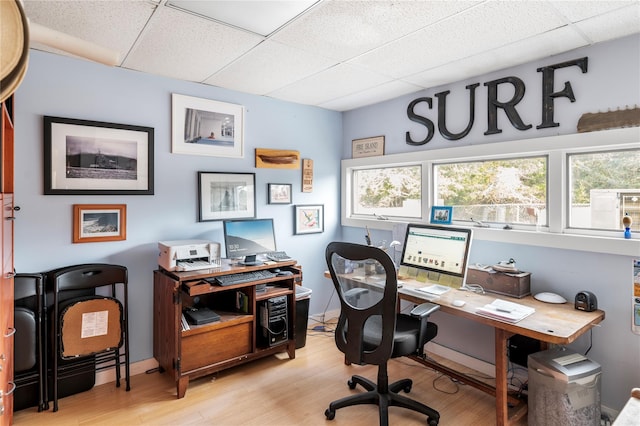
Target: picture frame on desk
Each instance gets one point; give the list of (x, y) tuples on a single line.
[(206, 127), (441, 215), (99, 223), (84, 157), (226, 196), (309, 219)]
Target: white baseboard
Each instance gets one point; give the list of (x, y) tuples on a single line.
[(108, 376)]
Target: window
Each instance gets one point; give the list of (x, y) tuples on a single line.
[(604, 187), (510, 191), (388, 192), (548, 185)]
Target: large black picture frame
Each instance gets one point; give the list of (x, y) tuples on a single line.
[(83, 157)]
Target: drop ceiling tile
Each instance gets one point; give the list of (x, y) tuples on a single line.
[(578, 10), (187, 47), (268, 67), (343, 29), (337, 81), (485, 27), (531, 49), (114, 25), (612, 25), (373, 95)]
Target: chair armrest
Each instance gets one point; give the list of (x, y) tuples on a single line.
[(424, 310), (355, 292)]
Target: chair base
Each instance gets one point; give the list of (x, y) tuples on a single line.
[(383, 400)]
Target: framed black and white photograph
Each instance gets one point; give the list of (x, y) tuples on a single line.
[(206, 127), (226, 196), (309, 219), (279, 193), (441, 214), (99, 222), (96, 158)]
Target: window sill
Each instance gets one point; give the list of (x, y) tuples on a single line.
[(608, 245), (590, 243)]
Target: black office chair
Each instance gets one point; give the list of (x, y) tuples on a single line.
[(371, 331), (90, 330)]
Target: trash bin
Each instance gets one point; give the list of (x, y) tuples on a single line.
[(302, 315), (564, 389)]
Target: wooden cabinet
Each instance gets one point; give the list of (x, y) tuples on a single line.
[(7, 329), (236, 338)]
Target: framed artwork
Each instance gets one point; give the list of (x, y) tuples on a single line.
[(367, 147), (308, 219), (441, 214), (279, 193), (205, 127), (226, 196), (99, 222), (96, 158)]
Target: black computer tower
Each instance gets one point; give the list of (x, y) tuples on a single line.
[(273, 321)]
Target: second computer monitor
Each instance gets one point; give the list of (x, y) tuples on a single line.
[(249, 238)]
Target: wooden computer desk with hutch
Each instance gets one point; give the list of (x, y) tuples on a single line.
[(236, 338), (558, 324)]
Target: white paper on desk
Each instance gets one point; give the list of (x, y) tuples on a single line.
[(435, 289), (504, 310)]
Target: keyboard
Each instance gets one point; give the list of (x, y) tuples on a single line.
[(277, 256), (242, 277)]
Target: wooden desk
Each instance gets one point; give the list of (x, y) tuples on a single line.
[(235, 338), (558, 324)]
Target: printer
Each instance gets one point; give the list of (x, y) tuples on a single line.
[(188, 255)]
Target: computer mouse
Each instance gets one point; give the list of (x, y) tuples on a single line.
[(458, 303), (276, 270), (549, 297)]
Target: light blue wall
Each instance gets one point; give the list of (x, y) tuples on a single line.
[(70, 88), (611, 82), (76, 89)]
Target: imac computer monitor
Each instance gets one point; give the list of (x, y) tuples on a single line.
[(442, 251), (249, 238)]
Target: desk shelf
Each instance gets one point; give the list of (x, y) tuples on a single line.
[(234, 339)]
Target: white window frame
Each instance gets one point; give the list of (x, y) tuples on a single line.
[(556, 234)]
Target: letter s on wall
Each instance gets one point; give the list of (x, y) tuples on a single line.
[(419, 119)]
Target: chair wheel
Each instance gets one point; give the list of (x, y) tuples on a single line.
[(351, 383), (407, 389), (432, 422), (329, 414)]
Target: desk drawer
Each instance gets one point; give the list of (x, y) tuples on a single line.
[(218, 345)]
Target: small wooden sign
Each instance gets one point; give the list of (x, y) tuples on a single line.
[(307, 175), (367, 147)]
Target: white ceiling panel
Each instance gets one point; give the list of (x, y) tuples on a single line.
[(115, 25), (333, 83), (343, 29), (531, 49), (181, 45), (338, 54), (612, 25), (258, 73)]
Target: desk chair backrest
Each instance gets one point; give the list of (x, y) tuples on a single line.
[(366, 283)]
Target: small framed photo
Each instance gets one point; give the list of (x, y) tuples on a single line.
[(205, 127), (441, 214), (99, 222), (226, 196), (279, 193), (309, 219), (97, 158), (367, 147)]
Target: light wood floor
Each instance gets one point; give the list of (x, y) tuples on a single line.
[(271, 391)]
